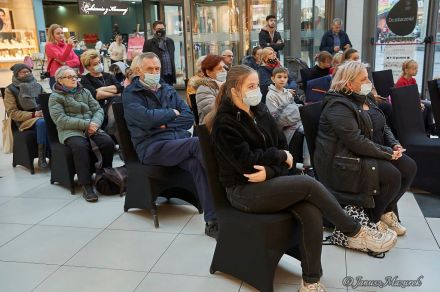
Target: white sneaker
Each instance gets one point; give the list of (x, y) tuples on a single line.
[(391, 220), (369, 239), (314, 287), (383, 227)]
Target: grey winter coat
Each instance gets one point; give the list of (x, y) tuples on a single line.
[(207, 90)]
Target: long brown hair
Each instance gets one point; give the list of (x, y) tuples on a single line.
[(236, 75)]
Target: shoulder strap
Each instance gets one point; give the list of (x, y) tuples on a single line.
[(97, 152)]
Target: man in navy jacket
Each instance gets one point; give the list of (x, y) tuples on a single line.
[(335, 39), (158, 121)]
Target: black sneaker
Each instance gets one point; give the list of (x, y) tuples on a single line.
[(89, 194), (211, 229)]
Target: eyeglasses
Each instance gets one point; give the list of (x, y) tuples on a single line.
[(71, 77)]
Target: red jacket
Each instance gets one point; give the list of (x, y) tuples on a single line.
[(405, 82), (63, 53)]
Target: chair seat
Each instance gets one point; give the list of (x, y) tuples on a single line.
[(25, 148)]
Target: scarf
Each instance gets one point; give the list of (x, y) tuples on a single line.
[(29, 89), (64, 90)]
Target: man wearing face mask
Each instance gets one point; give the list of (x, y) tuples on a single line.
[(159, 120), (163, 47)]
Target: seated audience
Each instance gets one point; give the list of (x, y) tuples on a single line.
[(337, 60), (282, 106), (128, 77), (193, 80), (409, 71), (253, 164), (269, 62), (350, 55), (355, 150), (253, 60), (209, 86), (78, 118), (159, 120), (118, 70), (21, 104), (322, 68)]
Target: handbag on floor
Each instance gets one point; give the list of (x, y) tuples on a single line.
[(8, 137), (340, 239)]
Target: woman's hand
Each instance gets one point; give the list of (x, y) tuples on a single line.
[(289, 159), (92, 128), (71, 41), (396, 155), (258, 176), (38, 114)]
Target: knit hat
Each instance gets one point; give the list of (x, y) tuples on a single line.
[(18, 67)]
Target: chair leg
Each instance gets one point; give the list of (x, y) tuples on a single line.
[(155, 217)]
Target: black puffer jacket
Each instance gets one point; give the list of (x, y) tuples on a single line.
[(241, 142), (345, 157)]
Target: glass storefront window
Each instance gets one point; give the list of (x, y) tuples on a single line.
[(312, 28), (393, 50), (436, 73)]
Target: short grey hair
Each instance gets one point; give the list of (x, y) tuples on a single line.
[(137, 61), (337, 21), (60, 71)]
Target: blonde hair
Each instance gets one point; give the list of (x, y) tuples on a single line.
[(346, 72), (87, 56), (407, 64), (337, 58), (266, 52), (235, 78), (51, 31)]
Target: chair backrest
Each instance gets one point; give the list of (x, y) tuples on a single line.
[(52, 131), (2, 91), (194, 108), (219, 193), (128, 151), (408, 116), (383, 82), (434, 94), (317, 88), (310, 115), (305, 76)]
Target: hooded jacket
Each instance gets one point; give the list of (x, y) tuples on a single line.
[(207, 90), (345, 156), (285, 111), (266, 40), (146, 111), (250, 61), (240, 142), (73, 112), (62, 52)]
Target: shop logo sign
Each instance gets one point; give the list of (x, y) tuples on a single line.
[(102, 7), (402, 18)]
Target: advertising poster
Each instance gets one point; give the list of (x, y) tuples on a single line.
[(135, 45), (6, 24)]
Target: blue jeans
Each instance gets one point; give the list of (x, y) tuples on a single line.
[(186, 154), (40, 128)]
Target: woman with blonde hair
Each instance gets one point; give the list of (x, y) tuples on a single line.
[(253, 165), (191, 88), (356, 152), (60, 52)]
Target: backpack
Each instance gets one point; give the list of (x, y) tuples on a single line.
[(111, 180), (340, 239)]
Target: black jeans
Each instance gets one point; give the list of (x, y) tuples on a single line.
[(82, 155), (395, 177), (308, 200)]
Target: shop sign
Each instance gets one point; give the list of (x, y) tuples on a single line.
[(102, 7), (396, 53), (402, 18)]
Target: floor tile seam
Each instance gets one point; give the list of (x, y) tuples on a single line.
[(15, 237), (432, 232), (6, 201), (104, 268), (417, 249), (70, 226), (158, 259), (139, 230), (46, 278), (180, 231), (28, 262), (34, 187), (53, 213)]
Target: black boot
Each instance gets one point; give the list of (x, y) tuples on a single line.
[(42, 163), (89, 194), (211, 228)]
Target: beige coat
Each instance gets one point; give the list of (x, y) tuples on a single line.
[(23, 119)]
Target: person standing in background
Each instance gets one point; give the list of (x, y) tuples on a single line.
[(117, 51), (228, 59), (335, 39), (270, 37), (163, 47), (98, 45)]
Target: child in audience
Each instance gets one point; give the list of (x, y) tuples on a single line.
[(337, 60), (281, 104)]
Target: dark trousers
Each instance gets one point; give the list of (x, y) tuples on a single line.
[(168, 79), (186, 154), (308, 200), (82, 155), (395, 177)]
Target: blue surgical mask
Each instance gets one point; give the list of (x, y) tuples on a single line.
[(151, 80), (253, 97), (99, 68)]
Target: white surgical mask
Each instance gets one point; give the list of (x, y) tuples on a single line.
[(253, 97), (99, 68), (151, 80), (366, 88), (221, 76)]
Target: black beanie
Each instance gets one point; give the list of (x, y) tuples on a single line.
[(18, 67)]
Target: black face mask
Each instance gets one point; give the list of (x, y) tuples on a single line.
[(272, 61), (160, 33)]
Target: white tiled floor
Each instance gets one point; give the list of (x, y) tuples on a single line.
[(51, 240)]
